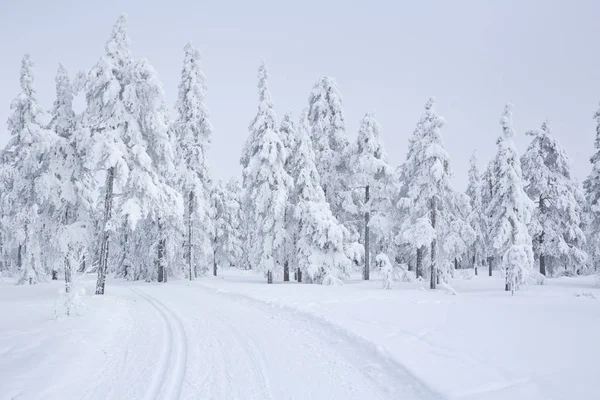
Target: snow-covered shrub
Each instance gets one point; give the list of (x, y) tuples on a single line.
[(536, 278), (382, 262), (71, 303)]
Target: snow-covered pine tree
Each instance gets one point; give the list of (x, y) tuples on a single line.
[(487, 190), (72, 218), (476, 216), (288, 134), (30, 191), (193, 132), (226, 209), (592, 194), (556, 222), (510, 209), (371, 175), (321, 250), (331, 144), (126, 121), (266, 185), (428, 196)]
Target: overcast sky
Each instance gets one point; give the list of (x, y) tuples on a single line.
[(387, 56)]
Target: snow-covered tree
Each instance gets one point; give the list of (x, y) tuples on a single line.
[(322, 249), (386, 269), (427, 194), (510, 209), (266, 185), (331, 144), (72, 219), (371, 174), (592, 194), (476, 217), (556, 223), (127, 124), (193, 132), (226, 210), (288, 134), (487, 191), (30, 191)]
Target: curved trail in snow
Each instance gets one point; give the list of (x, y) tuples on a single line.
[(167, 379), (243, 349)]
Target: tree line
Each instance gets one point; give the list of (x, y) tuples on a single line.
[(121, 188)]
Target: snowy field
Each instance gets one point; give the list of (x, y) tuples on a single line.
[(234, 337)]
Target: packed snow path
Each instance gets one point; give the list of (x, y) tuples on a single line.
[(210, 345)]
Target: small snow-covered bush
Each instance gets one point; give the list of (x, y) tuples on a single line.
[(536, 278), (382, 262), (71, 303)]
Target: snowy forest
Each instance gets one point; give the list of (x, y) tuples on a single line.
[(124, 189)]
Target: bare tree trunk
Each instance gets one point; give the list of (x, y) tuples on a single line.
[(299, 273), (419, 267), (434, 272), (366, 271), (108, 200), (161, 254), (490, 261), (190, 234), (270, 277), (214, 264), (475, 264), (286, 271), (54, 275), (543, 264)]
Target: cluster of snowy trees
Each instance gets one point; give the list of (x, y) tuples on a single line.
[(121, 188)]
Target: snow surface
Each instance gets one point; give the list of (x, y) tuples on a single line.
[(235, 337)]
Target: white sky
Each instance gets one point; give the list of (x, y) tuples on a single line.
[(387, 56)]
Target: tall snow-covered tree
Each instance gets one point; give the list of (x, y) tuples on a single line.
[(288, 134), (193, 132), (371, 174), (331, 144), (476, 217), (266, 185), (322, 250), (30, 191), (510, 209), (226, 210), (73, 225), (592, 194), (556, 222), (487, 191), (128, 131), (426, 174)]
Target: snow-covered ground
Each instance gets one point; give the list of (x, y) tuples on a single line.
[(234, 337)]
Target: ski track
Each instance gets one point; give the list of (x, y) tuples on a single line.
[(167, 380)]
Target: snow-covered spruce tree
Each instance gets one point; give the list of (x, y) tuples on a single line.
[(266, 185), (592, 193), (331, 146), (427, 188), (226, 208), (72, 219), (30, 191), (288, 134), (487, 191), (476, 216), (371, 175), (323, 255), (556, 222), (128, 130), (510, 209), (193, 132)]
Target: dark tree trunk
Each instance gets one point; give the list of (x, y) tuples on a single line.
[(366, 271), (270, 277), (455, 263), (543, 264), (474, 264), (108, 200), (68, 274), (20, 257), (190, 227), (434, 271), (410, 266), (161, 254), (299, 273), (419, 267), (490, 261), (54, 275), (214, 266), (286, 271)]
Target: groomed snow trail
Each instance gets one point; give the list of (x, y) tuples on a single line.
[(241, 349)]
